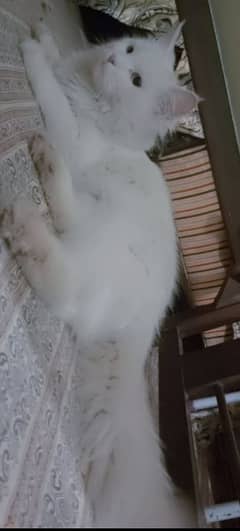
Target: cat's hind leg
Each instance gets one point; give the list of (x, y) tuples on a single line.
[(40, 254)]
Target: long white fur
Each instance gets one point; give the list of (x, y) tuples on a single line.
[(113, 271)]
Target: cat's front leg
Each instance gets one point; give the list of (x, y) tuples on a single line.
[(60, 121), (40, 254), (44, 36), (56, 181)]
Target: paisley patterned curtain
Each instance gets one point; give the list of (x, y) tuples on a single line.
[(152, 15)]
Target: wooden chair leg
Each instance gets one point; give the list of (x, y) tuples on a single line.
[(172, 412)]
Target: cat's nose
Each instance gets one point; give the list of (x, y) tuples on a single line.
[(111, 59)]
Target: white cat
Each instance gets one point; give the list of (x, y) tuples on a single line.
[(109, 266)]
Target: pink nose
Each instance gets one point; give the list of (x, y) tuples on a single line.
[(111, 59)]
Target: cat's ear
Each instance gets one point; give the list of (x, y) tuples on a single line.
[(176, 102), (170, 39)]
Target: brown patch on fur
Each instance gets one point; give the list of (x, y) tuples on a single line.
[(35, 138), (7, 241), (20, 252), (2, 215), (50, 168)]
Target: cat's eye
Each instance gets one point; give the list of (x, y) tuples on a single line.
[(130, 49), (136, 79)]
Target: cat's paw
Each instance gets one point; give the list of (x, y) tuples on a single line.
[(23, 229), (12, 231), (6, 222), (43, 156), (30, 48), (38, 30), (42, 33)]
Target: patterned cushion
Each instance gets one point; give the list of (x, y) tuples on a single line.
[(40, 472), (200, 226), (146, 14)]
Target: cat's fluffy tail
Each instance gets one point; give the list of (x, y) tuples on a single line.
[(135, 489)]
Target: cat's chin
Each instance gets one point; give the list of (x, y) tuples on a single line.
[(98, 76), (101, 75)]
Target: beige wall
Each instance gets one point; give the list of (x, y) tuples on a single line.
[(226, 16)]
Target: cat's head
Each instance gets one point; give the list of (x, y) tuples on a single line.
[(136, 79)]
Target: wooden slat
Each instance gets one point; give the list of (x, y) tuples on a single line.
[(215, 112)]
